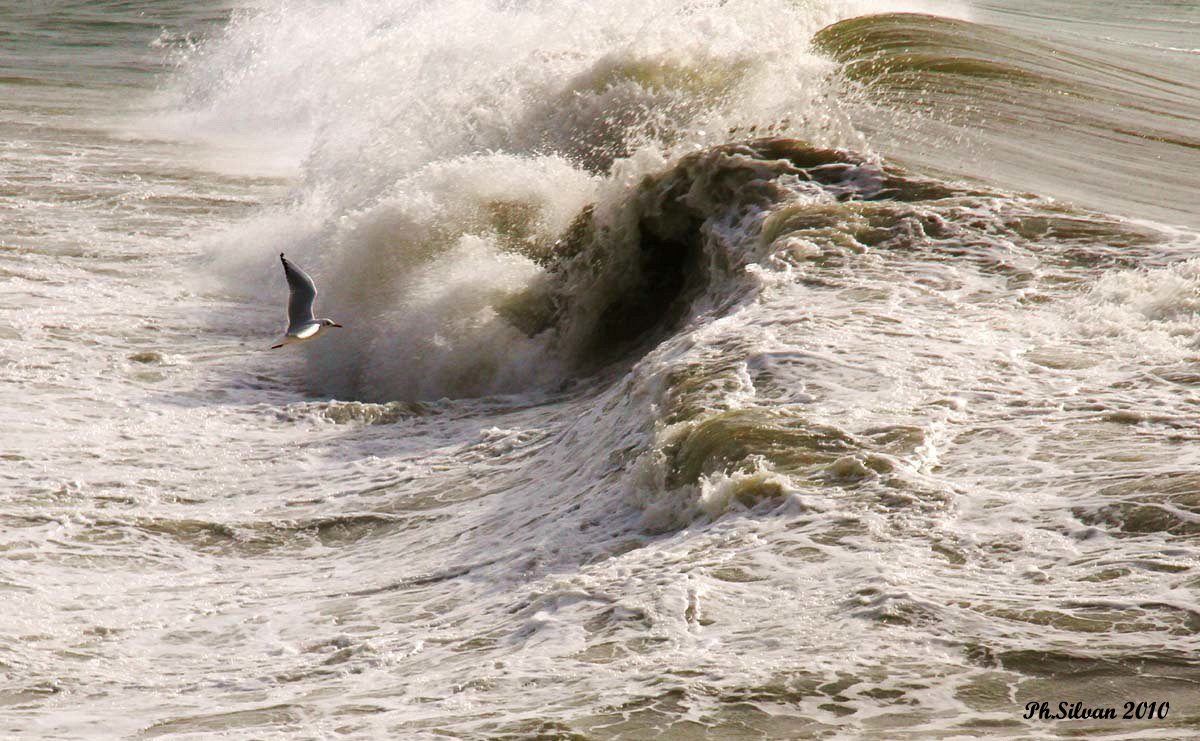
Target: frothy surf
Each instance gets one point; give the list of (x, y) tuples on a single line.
[(701, 377)]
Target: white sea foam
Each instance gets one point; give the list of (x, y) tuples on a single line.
[(429, 129), (900, 464)]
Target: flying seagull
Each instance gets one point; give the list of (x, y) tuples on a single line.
[(301, 325)]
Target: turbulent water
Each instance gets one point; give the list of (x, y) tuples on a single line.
[(757, 369)]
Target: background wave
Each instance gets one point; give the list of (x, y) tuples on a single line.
[(1088, 121)]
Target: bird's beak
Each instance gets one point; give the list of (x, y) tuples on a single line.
[(335, 324)]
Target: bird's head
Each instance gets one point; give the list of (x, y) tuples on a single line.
[(329, 323)]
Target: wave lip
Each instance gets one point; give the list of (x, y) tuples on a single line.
[(679, 244), (499, 274)]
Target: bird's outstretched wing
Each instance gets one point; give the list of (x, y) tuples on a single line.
[(303, 293)]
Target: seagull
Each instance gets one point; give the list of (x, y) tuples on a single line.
[(301, 325)]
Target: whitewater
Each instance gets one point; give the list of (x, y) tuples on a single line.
[(743, 369)]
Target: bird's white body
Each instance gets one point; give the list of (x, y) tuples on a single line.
[(302, 326), (304, 332)]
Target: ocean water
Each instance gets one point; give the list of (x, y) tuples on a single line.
[(773, 369)]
